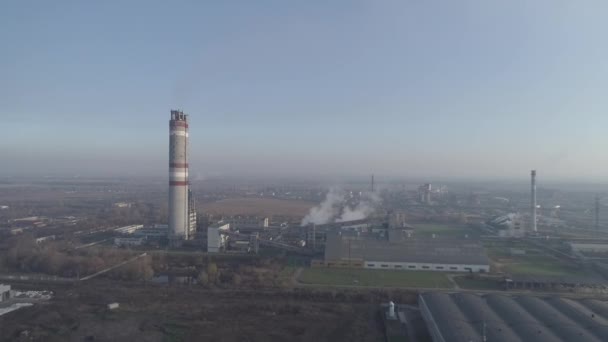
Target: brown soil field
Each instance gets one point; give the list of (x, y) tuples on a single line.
[(190, 313), (258, 206)]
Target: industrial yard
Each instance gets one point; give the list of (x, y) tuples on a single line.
[(150, 312)]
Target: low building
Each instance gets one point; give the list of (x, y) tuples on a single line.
[(588, 247), (408, 254), (129, 229), (5, 292), (129, 241), (122, 204), (45, 238)]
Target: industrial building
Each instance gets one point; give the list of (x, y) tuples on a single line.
[(217, 236), (424, 192), (5, 292), (248, 223), (465, 317), (403, 253), (509, 225), (182, 214)]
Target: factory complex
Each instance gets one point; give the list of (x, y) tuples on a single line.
[(409, 254)]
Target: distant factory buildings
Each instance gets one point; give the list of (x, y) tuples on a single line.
[(424, 191), (400, 252)]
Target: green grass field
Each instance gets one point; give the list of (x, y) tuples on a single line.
[(368, 277), (534, 262), (542, 268), (444, 230)]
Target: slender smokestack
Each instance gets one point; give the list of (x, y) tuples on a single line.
[(597, 212), (533, 204), (178, 176), (372, 182)]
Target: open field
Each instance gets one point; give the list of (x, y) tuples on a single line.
[(375, 278), (444, 230), (534, 262), (258, 206), (190, 313)]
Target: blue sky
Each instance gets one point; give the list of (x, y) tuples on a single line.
[(486, 89)]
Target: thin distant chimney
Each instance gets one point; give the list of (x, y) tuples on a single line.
[(597, 212), (372, 182), (533, 199)]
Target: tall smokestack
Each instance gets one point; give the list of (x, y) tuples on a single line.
[(178, 177), (597, 212), (372, 182), (533, 204)]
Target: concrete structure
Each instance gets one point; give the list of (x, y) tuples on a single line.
[(216, 237), (465, 317), (445, 255), (5, 292), (533, 199), (179, 222)]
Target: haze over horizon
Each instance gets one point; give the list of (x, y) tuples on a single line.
[(465, 90)]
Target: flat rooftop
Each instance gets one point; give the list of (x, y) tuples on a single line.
[(463, 317), (416, 250)]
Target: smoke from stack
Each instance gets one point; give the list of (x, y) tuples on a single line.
[(334, 208)]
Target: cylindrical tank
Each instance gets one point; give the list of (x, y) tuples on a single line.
[(391, 310), (178, 175)]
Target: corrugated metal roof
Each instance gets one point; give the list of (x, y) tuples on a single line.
[(464, 317)]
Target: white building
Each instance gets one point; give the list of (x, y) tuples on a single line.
[(129, 229), (5, 292), (216, 239)]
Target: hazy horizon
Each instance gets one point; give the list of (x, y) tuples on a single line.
[(415, 90)]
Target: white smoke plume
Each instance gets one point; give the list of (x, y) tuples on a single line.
[(334, 208), (366, 206), (327, 210)]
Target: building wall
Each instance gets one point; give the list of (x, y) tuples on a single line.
[(415, 266)]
